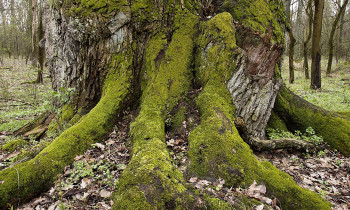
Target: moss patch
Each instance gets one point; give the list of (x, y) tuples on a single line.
[(275, 122), (259, 15), (14, 145)]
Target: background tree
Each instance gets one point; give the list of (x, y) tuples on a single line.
[(315, 49), (292, 42), (339, 13), (309, 13)]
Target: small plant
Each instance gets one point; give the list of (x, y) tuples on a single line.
[(322, 192), (309, 136), (321, 153), (338, 162)]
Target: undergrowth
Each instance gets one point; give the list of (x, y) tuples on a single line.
[(334, 94), (309, 135)]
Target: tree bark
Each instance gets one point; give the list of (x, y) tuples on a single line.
[(315, 48), (41, 48), (148, 55), (309, 13), (331, 36), (292, 42)]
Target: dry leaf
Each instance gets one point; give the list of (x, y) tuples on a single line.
[(260, 207), (105, 194)]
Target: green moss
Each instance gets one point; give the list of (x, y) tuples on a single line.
[(275, 122), (299, 114), (31, 152), (14, 145), (177, 119), (38, 174), (67, 112), (259, 15), (219, 29), (217, 150), (150, 180), (84, 8)]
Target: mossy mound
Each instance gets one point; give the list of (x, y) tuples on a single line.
[(14, 145)]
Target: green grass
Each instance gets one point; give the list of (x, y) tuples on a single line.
[(21, 100), (335, 92)]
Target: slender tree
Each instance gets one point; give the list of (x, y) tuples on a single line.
[(41, 49), (315, 48), (292, 42), (331, 37), (309, 13)]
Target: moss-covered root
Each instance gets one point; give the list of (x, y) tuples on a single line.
[(216, 149), (151, 181), (25, 180), (298, 114)]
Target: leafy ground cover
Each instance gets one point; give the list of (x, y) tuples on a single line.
[(21, 99), (335, 92), (90, 180)]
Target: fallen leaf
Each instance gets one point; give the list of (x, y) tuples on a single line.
[(105, 194), (193, 179), (260, 207), (101, 146), (85, 182)]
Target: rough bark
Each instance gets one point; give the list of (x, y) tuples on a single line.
[(331, 36), (41, 48), (309, 13), (149, 54), (292, 42), (315, 48)]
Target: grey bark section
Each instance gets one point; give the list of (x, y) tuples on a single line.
[(78, 51), (253, 102), (254, 86)]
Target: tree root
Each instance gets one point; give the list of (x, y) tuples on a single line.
[(151, 181), (38, 174), (298, 114), (216, 148)]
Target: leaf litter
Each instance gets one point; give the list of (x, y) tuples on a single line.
[(89, 182)]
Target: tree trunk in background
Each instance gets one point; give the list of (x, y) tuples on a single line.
[(315, 48), (34, 44), (331, 37), (3, 23), (150, 56), (41, 48), (299, 31), (292, 42), (309, 13), (340, 51)]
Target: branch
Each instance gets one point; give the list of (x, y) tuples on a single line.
[(274, 144)]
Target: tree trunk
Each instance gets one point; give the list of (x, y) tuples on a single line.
[(41, 48), (309, 13), (340, 51), (331, 36), (315, 48), (148, 56), (292, 42)]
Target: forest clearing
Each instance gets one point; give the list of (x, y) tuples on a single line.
[(181, 104)]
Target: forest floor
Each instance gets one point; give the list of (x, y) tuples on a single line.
[(88, 183)]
